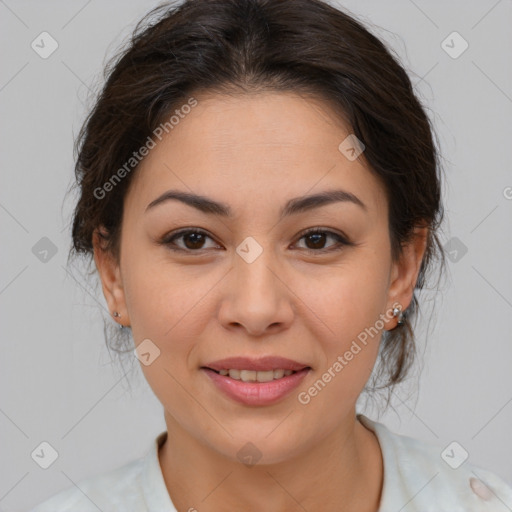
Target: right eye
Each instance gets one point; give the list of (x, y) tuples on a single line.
[(193, 240)]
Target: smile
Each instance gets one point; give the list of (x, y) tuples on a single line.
[(256, 388), (256, 376)]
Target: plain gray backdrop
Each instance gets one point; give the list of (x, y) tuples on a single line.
[(60, 384)]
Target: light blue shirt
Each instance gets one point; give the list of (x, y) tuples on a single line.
[(418, 477)]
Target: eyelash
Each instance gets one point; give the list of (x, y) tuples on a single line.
[(168, 240)]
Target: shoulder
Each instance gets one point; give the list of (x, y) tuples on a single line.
[(422, 477), (116, 490)]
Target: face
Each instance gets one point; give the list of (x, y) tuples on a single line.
[(203, 285)]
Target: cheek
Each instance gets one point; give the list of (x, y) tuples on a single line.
[(348, 298), (169, 306), (344, 308), (162, 297), (164, 308)]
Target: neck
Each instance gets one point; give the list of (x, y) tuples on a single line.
[(341, 472)]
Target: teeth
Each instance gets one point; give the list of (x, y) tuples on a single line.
[(234, 374), (256, 376)]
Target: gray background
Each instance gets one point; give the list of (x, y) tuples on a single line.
[(58, 380)]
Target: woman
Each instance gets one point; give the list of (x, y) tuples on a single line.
[(260, 190)]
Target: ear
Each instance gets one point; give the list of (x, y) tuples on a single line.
[(110, 275), (404, 272)]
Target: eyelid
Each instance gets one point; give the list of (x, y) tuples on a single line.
[(342, 239), (169, 237), (328, 231)]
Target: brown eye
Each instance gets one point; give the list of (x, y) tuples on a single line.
[(193, 240), (315, 240)]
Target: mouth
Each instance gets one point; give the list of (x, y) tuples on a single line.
[(255, 376), (256, 382), (262, 369)]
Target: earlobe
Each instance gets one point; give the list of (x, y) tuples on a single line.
[(110, 276)]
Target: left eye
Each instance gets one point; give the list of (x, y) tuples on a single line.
[(194, 240), (318, 237)]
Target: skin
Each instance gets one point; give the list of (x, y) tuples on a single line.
[(254, 153)]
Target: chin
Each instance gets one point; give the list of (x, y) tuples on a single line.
[(255, 447)]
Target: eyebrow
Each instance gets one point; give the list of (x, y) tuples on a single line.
[(293, 206)]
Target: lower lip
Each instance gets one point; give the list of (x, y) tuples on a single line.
[(257, 393)]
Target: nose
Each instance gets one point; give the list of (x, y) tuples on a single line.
[(256, 297)]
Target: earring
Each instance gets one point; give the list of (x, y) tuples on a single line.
[(397, 311), (118, 315)]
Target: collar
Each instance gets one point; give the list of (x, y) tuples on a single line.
[(155, 490)]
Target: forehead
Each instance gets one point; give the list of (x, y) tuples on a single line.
[(270, 145)]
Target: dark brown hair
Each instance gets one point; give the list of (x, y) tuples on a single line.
[(246, 46)]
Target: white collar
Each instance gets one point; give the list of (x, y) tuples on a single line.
[(416, 478)]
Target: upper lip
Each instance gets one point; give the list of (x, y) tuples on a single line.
[(259, 364)]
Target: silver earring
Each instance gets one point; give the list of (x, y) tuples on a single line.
[(118, 315), (397, 311)]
